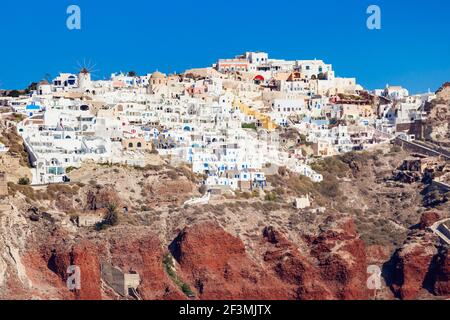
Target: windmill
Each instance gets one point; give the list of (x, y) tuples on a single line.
[(86, 67), (85, 70)]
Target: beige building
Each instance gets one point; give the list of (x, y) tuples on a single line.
[(157, 83), (322, 148), (123, 283), (135, 144)]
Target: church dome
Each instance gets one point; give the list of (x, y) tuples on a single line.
[(157, 75)]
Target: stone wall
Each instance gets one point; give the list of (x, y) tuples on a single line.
[(3, 185)]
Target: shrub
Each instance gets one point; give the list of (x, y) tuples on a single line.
[(255, 193), (329, 187), (249, 126), (169, 267), (188, 173), (271, 196), (395, 149), (70, 169), (24, 181), (282, 171), (245, 195), (186, 289), (111, 218)]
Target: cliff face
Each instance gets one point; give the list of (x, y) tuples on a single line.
[(421, 263), (442, 283), (342, 260), (143, 253), (216, 265), (293, 268), (308, 256), (212, 262), (437, 126), (85, 256), (412, 266), (129, 250)]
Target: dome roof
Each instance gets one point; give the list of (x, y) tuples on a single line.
[(32, 107), (157, 75)]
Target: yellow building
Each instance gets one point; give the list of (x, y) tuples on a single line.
[(265, 120)]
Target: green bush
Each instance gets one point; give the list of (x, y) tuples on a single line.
[(271, 196), (249, 126), (169, 267), (186, 289), (70, 169), (111, 218), (24, 181)]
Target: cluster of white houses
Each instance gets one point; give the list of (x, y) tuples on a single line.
[(226, 120)]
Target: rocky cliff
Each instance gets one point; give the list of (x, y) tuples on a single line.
[(235, 247)]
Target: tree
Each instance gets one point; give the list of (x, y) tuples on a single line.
[(14, 93), (31, 87), (132, 74), (111, 218)]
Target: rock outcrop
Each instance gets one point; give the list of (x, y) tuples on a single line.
[(216, 264), (420, 263), (442, 279), (412, 266), (341, 257)]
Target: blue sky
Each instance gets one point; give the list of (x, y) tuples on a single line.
[(412, 48)]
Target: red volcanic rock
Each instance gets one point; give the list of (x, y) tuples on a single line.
[(144, 255), (128, 249), (377, 254), (442, 281), (341, 257), (412, 265), (336, 269), (428, 219), (85, 256), (217, 266), (42, 277), (418, 265), (293, 268)]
